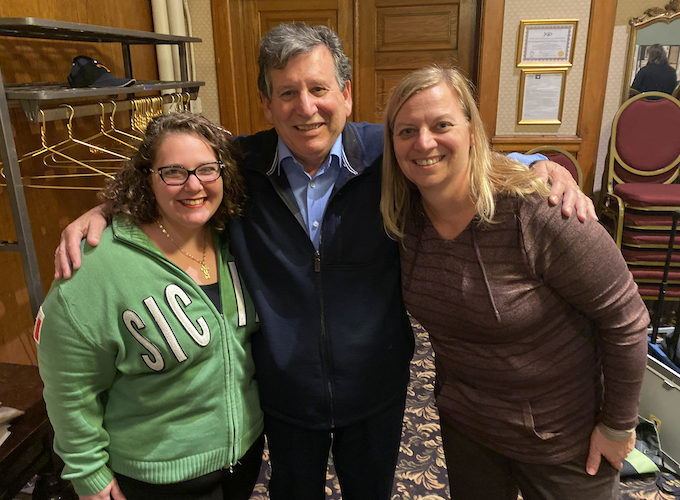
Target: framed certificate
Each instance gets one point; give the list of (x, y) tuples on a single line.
[(546, 43), (541, 96)]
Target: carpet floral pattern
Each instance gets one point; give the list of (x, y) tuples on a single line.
[(421, 469)]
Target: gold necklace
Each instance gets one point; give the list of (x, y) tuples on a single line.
[(204, 267)]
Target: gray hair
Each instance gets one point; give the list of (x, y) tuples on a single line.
[(284, 41)]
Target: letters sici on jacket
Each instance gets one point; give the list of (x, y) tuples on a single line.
[(141, 371)]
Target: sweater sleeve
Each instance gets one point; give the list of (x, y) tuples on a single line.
[(76, 369), (582, 264)]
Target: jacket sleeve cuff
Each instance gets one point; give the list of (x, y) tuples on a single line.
[(615, 434), (93, 483)]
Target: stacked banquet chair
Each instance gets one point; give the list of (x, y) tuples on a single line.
[(668, 352), (639, 196), (561, 157)]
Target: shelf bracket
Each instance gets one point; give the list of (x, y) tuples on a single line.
[(31, 109)]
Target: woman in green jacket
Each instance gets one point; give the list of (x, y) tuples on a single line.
[(145, 351)]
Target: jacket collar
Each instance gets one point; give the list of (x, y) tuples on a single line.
[(129, 232), (125, 230), (262, 156)]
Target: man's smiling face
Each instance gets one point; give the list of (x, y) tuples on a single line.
[(307, 108)]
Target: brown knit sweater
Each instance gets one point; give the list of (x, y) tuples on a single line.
[(530, 318)]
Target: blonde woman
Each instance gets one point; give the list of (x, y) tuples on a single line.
[(536, 323)]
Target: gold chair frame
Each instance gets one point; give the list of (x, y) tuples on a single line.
[(611, 205)]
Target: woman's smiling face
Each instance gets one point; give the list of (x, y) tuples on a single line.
[(432, 139), (191, 205)]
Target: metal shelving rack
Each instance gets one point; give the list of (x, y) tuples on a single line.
[(32, 95)]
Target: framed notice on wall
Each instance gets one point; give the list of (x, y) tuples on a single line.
[(546, 43), (541, 96)]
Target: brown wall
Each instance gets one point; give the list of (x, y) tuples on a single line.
[(27, 60)]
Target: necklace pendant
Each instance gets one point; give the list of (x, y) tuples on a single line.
[(206, 271)]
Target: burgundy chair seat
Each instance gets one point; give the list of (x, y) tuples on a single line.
[(648, 273), (648, 255), (649, 238), (648, 219), (652, 291), (649, 195)]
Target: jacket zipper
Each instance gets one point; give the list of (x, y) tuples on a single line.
[(229, 392), (224, 328), (324, 336), (233, 461), (326, 355)]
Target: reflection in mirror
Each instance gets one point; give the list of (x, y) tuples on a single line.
[(657, 26)]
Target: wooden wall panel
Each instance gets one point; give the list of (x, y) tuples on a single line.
[(269, 20), (491, 43), (395, 38), (28, 60), (600, 36), (521, 143), (401, 28)]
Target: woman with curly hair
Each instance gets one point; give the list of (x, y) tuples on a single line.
[(145, 351), (538, 330)]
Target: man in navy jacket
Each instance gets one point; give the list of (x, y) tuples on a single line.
[(332, 356)]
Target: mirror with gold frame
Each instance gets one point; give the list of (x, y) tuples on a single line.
[(656, 25)]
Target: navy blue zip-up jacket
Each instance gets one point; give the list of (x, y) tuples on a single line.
[(335, 341)]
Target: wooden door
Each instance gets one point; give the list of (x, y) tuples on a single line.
[(399, 36), (385, 39)]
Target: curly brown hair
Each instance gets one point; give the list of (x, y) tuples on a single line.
[(130, 191)]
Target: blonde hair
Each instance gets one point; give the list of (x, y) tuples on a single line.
[(489, 173)]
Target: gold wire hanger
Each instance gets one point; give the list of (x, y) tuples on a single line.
[(134, 115), (51, 161), (45, 148), (108, 133), (113, 123), (90, 146), (55, 163), (66, 144)]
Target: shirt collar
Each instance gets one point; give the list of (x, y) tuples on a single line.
[(283, 152)]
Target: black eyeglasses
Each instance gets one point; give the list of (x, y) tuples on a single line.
[(176, 176)]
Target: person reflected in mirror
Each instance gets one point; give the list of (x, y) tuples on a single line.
[(145, 351), (538, 329), (657, 74)]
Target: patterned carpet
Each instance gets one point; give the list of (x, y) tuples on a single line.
[(421, 470)]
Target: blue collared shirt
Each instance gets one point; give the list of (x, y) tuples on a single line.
[(527, 159), (311, 193)]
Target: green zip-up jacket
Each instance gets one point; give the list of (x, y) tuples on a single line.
[(143, 376)]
